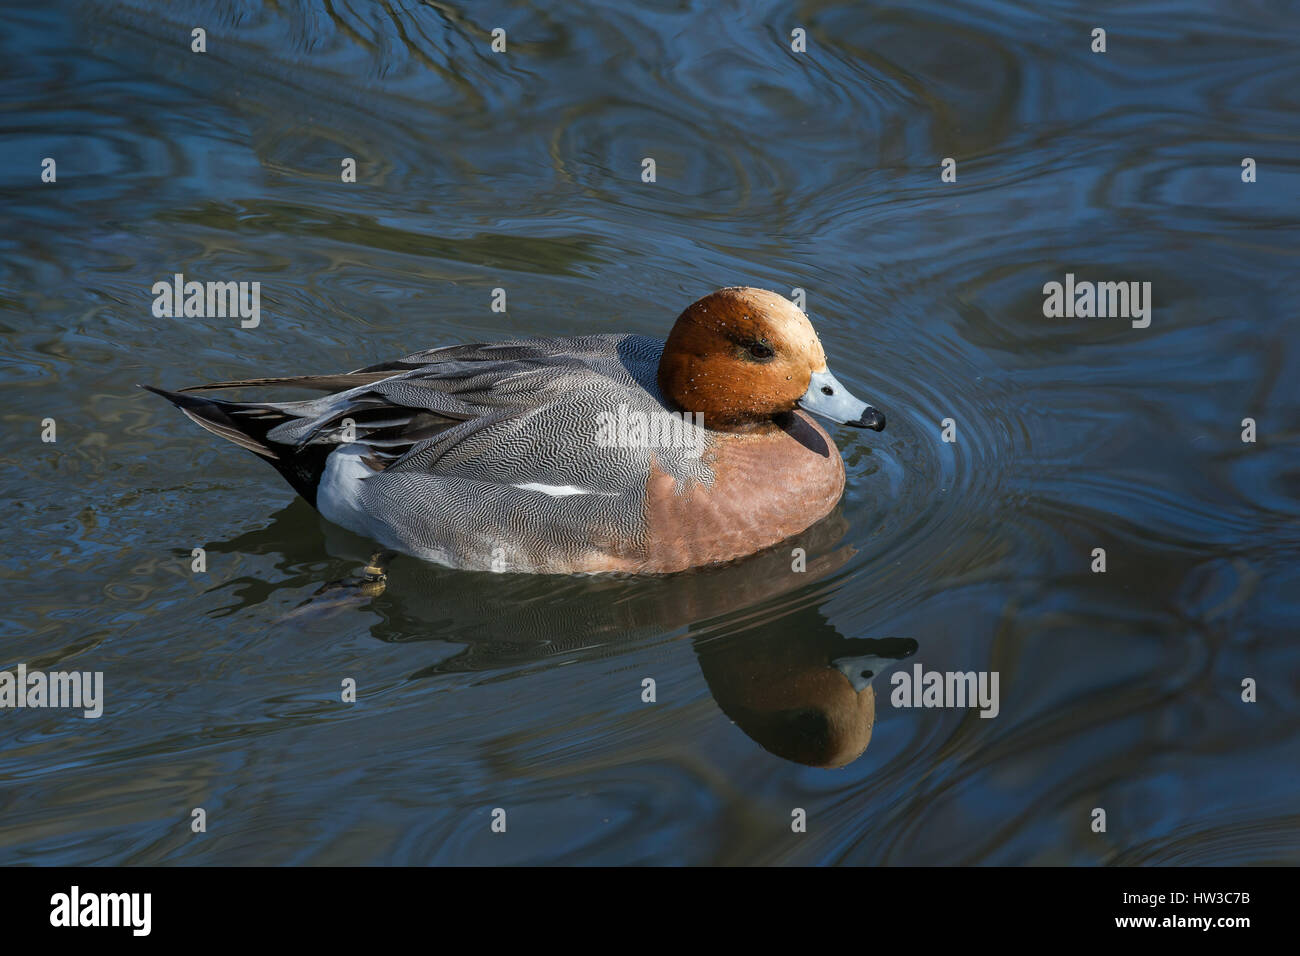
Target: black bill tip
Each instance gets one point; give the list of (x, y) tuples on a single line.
[(872, 419)]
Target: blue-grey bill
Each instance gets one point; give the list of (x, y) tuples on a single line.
[(828, 398)]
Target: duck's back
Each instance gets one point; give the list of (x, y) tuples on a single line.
[(543, 471)]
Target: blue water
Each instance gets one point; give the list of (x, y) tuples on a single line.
[(817, 170)]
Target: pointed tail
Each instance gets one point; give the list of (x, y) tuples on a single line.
[(247, 424)]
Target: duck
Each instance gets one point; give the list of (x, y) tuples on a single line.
[(612, 453)]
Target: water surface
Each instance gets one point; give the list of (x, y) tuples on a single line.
[(817, 171)]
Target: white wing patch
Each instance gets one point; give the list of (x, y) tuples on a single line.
[(557, 491)]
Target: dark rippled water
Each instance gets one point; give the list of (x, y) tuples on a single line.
[(821, 171)]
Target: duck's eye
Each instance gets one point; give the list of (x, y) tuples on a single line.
[(760, 351)]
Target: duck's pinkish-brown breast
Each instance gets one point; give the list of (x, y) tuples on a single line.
[(766, 487)]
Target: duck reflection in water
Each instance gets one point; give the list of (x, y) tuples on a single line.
[(801, 689), (773, 662)]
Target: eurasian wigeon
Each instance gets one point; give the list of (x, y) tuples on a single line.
[(569, 455)]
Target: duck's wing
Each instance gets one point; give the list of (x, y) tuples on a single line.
[(539, 479), (516, 413), (487, 456), (584, 348), (427, 404)]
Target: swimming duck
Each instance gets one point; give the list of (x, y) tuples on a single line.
[(553, 455)]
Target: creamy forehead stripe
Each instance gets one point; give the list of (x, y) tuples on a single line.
[(792, 324)]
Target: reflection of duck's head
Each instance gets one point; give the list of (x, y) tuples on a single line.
[(802, 693), (815, 717)]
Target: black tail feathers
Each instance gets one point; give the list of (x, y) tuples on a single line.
[(247, 424)]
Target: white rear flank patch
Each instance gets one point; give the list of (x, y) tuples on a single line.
[(339, 492)]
